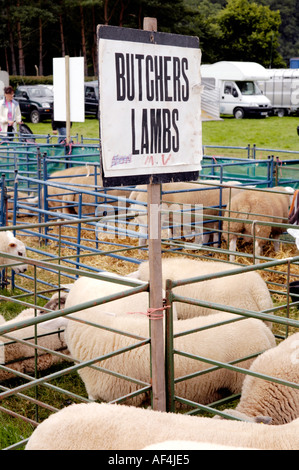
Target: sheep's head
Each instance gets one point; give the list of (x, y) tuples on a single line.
[(17, 248)]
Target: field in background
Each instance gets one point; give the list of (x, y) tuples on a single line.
[(272, 132)]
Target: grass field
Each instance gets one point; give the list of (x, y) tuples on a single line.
[(270, 133)]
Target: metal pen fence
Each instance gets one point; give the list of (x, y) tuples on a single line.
[(29, 385), (30, 381), (271, 316), (66, 268)]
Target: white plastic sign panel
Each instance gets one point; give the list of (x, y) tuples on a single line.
[(150, 106), (76, 87)]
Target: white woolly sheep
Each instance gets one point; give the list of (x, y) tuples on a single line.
[(208, 199), (244, 290), (223, 343), (72, 180), (86, 288), (263, 206), (261, 397), (23, 198), (95, 426), (21, 357), (13, 246)]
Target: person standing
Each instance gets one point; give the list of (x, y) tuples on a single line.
[(10, 113), (59, 126)]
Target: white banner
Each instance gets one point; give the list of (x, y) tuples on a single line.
[(76, 84)]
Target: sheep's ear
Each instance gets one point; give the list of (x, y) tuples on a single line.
[(263, 419)]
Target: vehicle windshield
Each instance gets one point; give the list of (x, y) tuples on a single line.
[(40, 92), (248, 88)]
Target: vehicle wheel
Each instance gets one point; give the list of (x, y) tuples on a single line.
[(281, 112), (239, 113), (34, 116)]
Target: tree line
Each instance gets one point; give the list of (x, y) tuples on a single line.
[(33, 32)]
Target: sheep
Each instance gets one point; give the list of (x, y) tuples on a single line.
[(244, 290), (58, 299), (263, 206), (224, 343), (19, 356), (266, 398), (23, 198), (9, 244), (95, 426), (73, 180), (86, 288), (208, 199)]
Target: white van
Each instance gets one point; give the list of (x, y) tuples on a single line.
[(236, 91)]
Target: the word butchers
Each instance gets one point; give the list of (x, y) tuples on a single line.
[(157, 86)]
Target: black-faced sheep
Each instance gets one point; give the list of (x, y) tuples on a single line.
[(265, 398), (103, 426), (263, 206)]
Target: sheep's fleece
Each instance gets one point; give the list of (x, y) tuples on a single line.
[(86, 288), (224, 343), (265, 398), (96, 426), (245, 290)]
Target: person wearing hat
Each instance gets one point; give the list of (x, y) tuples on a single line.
[(10, 113)]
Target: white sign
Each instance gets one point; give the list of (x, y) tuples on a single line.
[(150, 108), (76, 87)]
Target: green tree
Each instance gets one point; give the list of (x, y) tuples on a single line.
[(201, 22), (249, 32), (288, 43)]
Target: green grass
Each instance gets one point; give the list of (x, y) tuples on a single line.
[(270, 133), (13, 429)]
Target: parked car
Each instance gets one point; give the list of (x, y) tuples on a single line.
[(36, 102), (91, 97)]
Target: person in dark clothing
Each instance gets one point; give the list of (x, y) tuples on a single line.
[(60, 127)]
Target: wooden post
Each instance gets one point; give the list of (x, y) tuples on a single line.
[(155, 277), (67, 97)]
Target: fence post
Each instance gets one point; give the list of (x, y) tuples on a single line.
[(155, 275), (169, 356)]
